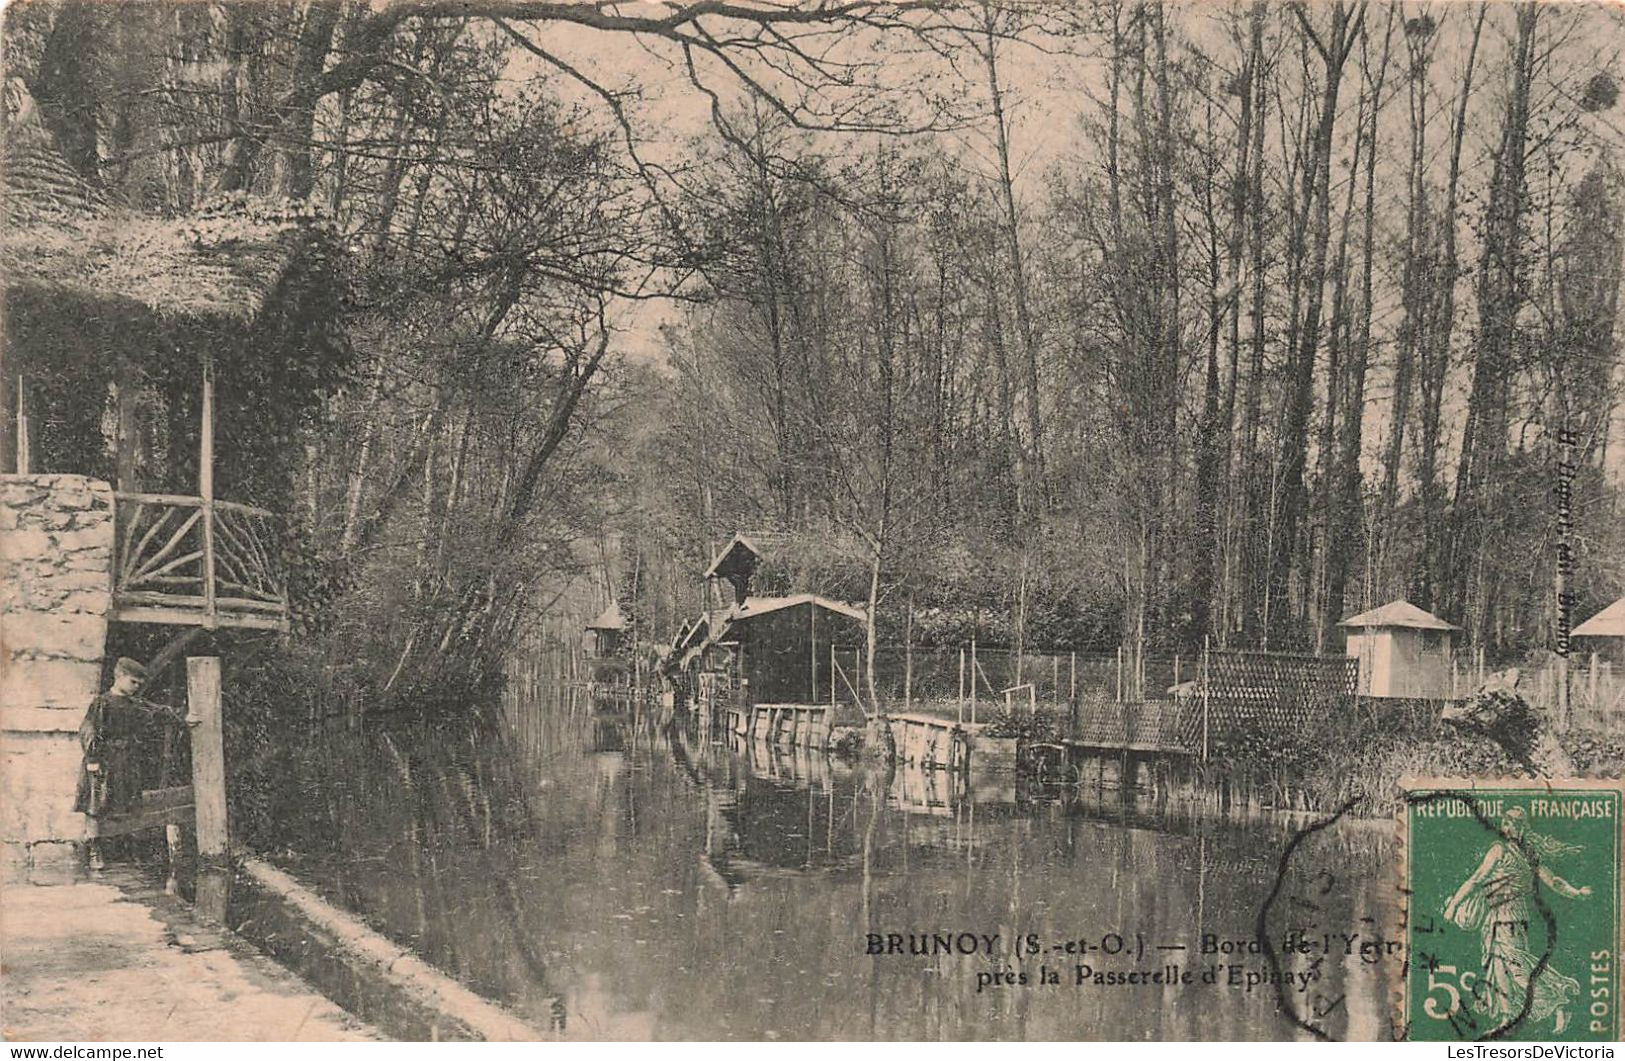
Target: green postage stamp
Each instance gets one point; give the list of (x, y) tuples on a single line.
[(1512, 930)]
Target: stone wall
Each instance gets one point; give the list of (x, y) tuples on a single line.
[(56, 590)]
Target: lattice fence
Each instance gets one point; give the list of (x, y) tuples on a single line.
[(1270, 692), (1150, 725)]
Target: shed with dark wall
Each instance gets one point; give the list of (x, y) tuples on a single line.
[(784, 644)]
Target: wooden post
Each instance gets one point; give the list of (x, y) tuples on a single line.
[(960, 703), (973, 673), (812, 652), (1055, 675), (205, 487), (1591, 683), (1176, 668), (1072, 694), (208, 755), (22, 425), (832, 680), (908, 657), (1119, 673)]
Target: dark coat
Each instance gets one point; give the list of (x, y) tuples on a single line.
[(120, 736)]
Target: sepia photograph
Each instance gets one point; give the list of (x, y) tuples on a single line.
[(811, 520)]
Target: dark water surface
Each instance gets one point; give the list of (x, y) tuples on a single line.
[(609, 874)]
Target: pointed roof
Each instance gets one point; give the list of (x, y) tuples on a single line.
[(609, 619), (740, 554), (1397, 613), (755, 606), (1610, 622)]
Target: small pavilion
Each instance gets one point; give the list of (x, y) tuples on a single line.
[(1403, 651)]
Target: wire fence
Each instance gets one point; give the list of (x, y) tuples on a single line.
[(1246, 688), (921, 677)]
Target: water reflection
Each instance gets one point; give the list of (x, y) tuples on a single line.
[(599, 867)]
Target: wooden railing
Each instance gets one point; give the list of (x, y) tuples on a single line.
[(197, 561)]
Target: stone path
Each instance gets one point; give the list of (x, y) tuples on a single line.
[(114, 960)]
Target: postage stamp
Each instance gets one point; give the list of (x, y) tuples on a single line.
[(1512, 928)]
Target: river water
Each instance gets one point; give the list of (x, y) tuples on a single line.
[(610, 874)]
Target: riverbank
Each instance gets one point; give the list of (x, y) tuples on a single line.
[(113, 958)]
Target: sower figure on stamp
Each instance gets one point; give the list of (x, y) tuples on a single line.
[(1498, 901), (122, 737)]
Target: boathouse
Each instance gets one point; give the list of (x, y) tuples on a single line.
[(1403, 651), (782, 645), (151, 365)]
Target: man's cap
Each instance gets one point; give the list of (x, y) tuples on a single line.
[(130, 667)]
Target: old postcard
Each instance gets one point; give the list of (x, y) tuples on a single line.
[(763, 520)]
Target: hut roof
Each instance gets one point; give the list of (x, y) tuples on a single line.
[(609, 619), (62, 242), (755, 606), (1398, 613), (740, 554), (1610, 622)]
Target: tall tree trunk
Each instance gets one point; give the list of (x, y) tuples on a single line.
[(1346, 523), (1435, 355), (1287, 538), (1484, 437), (1032, 469)]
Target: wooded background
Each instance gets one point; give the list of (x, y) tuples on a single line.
[(1060, 325)]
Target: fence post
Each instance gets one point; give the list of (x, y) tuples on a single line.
[(208, 755), (1072, 672), (832, 698), (959, 703), (1119, 673), (1176, 668), (908, 657), (973, 681), (1205, 695)]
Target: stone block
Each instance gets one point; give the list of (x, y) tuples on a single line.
[(35, 635), (39, 776), (26, 545), (88, 601), (89, 577), (48, 683), (86, 538)]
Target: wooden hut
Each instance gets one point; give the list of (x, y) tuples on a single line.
[(764, 668), (156, 372), (1403, 651), (735, 564), (602, 637), (784, 645), (173, 357)]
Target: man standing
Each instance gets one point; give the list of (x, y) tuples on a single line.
[(120, 735)]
